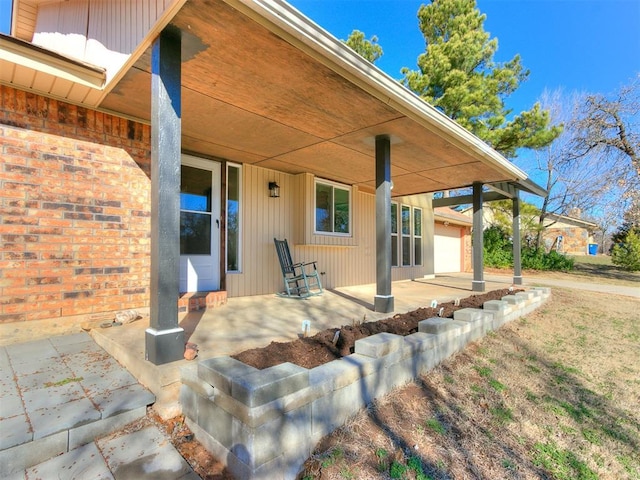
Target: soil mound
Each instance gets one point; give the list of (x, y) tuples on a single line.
[(319, 349)]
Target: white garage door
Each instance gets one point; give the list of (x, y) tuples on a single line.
[(447, 246)]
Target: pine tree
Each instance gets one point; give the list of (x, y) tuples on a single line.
[(457, 74), (367, 49)]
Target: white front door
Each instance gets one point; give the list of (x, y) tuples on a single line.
[(199, 225)]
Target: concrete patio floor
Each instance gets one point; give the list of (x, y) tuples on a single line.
[(250, 322)]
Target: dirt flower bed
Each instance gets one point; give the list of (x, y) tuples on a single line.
[(319, 349)]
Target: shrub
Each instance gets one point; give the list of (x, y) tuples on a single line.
[(498, 249), (533, 259), (627, 255)]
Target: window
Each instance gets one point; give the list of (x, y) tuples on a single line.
[(332, 208), (408, 247), (417, 236), (394, 234), (234, 184), (406, 235)]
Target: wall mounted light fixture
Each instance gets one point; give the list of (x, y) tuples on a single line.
[(274, 190)]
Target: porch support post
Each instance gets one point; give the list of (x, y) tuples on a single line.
[(517, 258), (164, 339), (477, 284), (383, 301)]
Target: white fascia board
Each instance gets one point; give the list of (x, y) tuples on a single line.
[(284, 20)]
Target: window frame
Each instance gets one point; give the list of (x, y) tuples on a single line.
[(395, 259), (333, 185)]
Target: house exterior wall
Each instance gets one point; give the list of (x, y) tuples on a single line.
[(341, 261), (575, 239), (74, 210)]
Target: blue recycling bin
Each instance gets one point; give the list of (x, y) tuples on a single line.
[(593, 249)]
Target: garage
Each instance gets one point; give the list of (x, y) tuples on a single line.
[(448, 250)]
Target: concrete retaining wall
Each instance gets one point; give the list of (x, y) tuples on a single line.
[(265, 423)]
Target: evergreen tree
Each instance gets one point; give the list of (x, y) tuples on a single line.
[(457, 74), (367, 49)]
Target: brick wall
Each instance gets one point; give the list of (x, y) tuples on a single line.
[(74, 210)]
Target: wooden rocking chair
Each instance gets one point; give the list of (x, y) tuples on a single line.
[(299, 278)]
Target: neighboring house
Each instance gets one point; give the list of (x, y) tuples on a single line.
[(452, 241), (142, 142), (567, 234)]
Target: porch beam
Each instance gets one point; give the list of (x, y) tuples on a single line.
[(477, 284), (517, 244), (164, 339), (383, 301), (466, 199)]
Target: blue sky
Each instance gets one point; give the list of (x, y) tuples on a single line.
[(583, 45)]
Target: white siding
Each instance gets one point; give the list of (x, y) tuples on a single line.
[(100, 32)]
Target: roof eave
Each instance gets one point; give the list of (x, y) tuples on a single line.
[(287, 22)]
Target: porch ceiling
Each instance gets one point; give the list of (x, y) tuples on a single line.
[(253, 93)]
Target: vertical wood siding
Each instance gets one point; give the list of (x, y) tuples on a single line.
[(25, 21), (101, 32), (342, 263)]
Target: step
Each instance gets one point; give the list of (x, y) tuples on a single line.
[(195, 301), (58, 394)]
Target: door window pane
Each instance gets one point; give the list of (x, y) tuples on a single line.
[(195, 189), (195, 233)]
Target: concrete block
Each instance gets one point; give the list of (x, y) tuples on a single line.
[(21, 457), (378, 345), (513, 300), (189, 376), (256, 416), (47, 421), (334, 375), (467, 314), (290, 432), (543, 290), (219, 372), (82, 462), (263, 386), (525, 295), (87, 433), (335, 408), (188, 399), (214, 420), (496, 306), (420, 354), (434, 325)]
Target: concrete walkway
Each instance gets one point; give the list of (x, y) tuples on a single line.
[(59, 397)]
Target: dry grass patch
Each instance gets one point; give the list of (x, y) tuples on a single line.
[(553, 395)]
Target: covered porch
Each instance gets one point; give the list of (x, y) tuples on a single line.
[(292, 100)]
